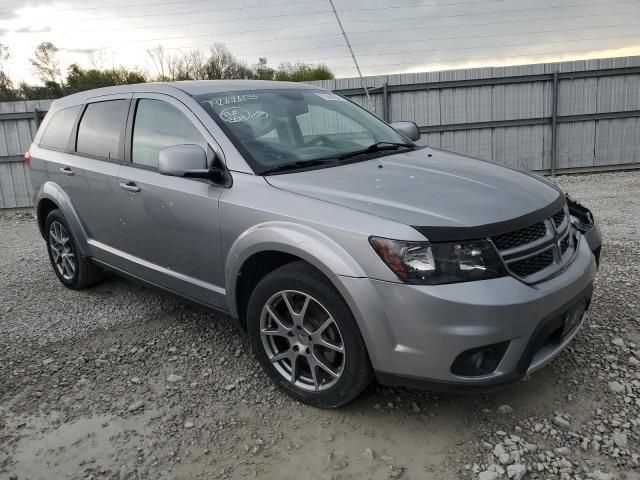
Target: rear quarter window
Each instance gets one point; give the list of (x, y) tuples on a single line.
[(101, 127), (59, 128)]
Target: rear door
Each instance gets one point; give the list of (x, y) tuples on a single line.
[(56, 139), (90, 173), (170, 223)]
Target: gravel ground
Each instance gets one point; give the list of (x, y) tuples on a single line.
[(122, 382)]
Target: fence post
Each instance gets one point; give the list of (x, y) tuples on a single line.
[(554, 125), (36, 117), (385, 102)]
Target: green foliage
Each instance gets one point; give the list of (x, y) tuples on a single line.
[(79, 80), (220, 63), (38, 92), (7, 92), (262, 72), (291, 72), (302, 72)]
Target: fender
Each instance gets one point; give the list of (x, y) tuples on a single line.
[(52, 191), (310, 245)]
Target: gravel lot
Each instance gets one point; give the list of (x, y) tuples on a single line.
[(122, 382)]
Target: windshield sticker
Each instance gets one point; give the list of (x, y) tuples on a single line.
[(330, 96), (222, 101), (238, 114), (235, 115)]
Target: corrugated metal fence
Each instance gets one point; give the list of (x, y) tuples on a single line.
[(562, 117), (19, 122), (555, 117)]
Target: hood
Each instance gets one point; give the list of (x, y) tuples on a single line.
[(444, 193)]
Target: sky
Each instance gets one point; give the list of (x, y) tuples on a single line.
[(387, 36)]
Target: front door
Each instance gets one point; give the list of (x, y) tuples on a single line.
[(170, 224)]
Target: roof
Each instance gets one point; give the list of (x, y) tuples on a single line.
[(196, 87), (190, 87)]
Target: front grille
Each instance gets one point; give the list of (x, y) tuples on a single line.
[(558, 218), (520, 237), (538, 247), (531, 265)]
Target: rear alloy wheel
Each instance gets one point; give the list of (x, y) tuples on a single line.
[(63, 257), (71, 268), (306, 338)]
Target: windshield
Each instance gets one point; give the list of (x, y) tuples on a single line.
[(296, 127)]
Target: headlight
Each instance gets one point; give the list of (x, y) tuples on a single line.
[(428, 263)]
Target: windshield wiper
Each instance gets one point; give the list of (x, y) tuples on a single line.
[(376, 147), (298, 164)]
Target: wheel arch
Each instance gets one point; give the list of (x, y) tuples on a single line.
[(265, 247), (51, 196), (44, 207)]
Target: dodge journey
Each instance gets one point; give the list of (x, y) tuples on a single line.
[(347, 251)]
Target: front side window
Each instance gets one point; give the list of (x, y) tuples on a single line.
[(280, 127), (100, 129), (59, 128), (157, 125)]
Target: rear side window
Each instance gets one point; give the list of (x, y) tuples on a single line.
[(100, 129), (158, 125), (59, 128)]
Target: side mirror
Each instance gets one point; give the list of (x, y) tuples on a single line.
[(408, 129), (183, 161)]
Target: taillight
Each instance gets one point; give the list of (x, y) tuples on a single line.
[(27, 159)]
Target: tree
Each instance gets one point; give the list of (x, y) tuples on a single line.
[(302, 72), (262, 72), (4, 52), (7, 92), (222, 64), (4, 56), (79, 79), (97, 58), (159, 59), (37, 92), (180, 66), (47, 66), (123, 76)]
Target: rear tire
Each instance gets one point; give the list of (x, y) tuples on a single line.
[(72, 269), (305, 337)]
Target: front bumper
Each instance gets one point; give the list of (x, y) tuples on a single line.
[(415, 333)]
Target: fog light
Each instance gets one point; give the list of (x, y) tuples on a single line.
[(479, 361)]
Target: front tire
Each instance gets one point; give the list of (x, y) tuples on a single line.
[(71, 268), (305, 337)]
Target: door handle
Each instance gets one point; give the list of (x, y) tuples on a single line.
[(129, 186), (66, 171)]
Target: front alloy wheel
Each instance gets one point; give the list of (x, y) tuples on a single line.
[(306, 338), (302, 340)]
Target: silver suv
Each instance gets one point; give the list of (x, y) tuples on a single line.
[(345, 250)]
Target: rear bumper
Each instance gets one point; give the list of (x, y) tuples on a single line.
[(415, 333)]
